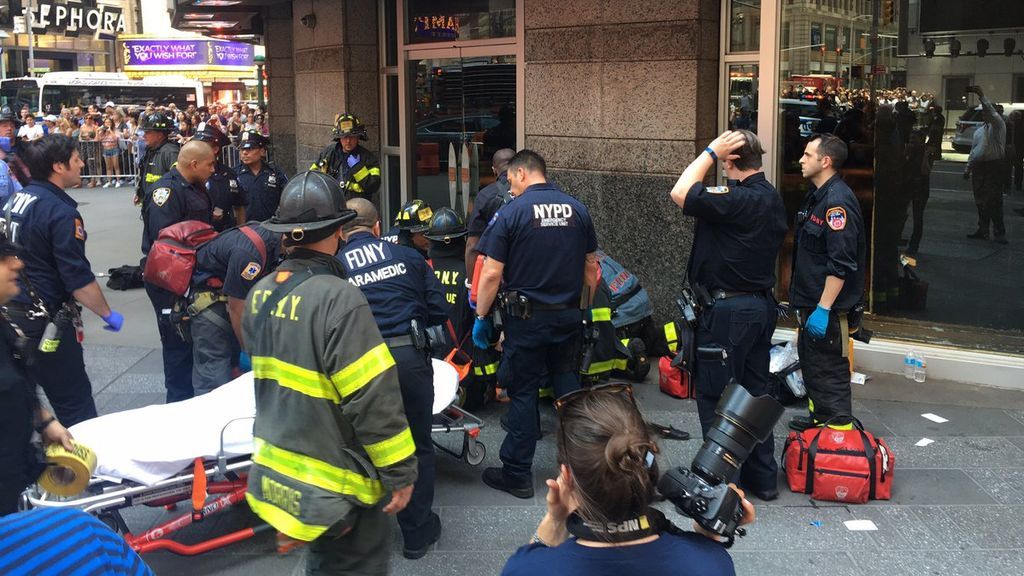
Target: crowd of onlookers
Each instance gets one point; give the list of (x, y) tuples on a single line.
[(110, 141)]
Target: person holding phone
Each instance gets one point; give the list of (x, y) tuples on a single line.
[(986, 168)]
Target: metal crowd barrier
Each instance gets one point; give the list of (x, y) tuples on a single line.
[(124, 169)]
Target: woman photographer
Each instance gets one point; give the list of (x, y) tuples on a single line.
[(607, 476), (19, 407)]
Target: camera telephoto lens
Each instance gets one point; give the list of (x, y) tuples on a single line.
[(742, 422)]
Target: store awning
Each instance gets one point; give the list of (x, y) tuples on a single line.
[(239, 20)]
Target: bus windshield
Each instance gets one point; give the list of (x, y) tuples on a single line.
[(19, 93), (56, 97)]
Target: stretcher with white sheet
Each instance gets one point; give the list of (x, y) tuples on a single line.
[(199, 450)]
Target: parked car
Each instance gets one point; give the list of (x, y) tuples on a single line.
[(969, 122), (806, 109), (446, 130)]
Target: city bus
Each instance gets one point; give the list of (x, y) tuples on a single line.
[(48, 93)]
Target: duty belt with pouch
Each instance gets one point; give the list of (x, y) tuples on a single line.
[(417, 338), (200, 301), (849, 325), (519, 306)]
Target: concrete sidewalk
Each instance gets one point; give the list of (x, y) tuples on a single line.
[(954, 510)]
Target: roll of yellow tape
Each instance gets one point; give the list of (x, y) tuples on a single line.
[(68, 473)]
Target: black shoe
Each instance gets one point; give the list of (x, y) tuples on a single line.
[(764, 495), (417, 553), (504, 426), (801, 423), (495, 478), (979, 235), (1001, 240)]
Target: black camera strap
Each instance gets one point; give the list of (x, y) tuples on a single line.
[(651, 522)]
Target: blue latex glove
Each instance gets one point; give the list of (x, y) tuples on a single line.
[(114, 321), (818, 322), (352, 160), (482, 330), (244, 361)]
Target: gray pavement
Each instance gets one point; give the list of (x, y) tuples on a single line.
[(954, 510)]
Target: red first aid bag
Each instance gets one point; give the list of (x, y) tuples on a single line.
[(172, 258), (674, 381), (839, 465)]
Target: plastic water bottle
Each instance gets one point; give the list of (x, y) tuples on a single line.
[(920, 369), (909, 362)]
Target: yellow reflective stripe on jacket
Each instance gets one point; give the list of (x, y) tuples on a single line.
[(351, 378), (486, 369), (606, 366), (355, 187), (671, 338), (283, 521), (394, 449), (361, 174), (309, 470), (302, 380), (601, 315), (150, 178), (316, 166)]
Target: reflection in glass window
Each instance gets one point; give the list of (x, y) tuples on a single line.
[(744, 25), (447, 20), (743, 97)]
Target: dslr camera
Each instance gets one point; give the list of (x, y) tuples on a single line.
[(702, 492)]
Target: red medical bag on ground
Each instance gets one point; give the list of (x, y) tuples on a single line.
[(674, 381), (839, 465), (172, 258)]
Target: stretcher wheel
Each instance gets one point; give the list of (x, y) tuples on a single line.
[(475, 451)]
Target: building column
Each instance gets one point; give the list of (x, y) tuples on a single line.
[(280, 70)]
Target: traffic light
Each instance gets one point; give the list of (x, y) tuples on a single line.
[(888, 11)]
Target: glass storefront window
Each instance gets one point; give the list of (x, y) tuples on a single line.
[(941, 232), (744, 25), (743, 97), (447, 21), (456, 102)]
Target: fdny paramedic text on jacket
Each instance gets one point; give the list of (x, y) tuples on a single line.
[(178, 196), (739, 231), (45, 222), (544, 247), (828, 280), (405, 298), (330, 435)]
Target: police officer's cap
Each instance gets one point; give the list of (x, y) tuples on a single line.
[(8, 115), (158, 122), (207, 132), (252, 139), (309, 202), (348, 125), (446, 225), (414, 216)]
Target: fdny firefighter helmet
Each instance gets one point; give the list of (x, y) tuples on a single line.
[(348, 125), (414, 216), (309, 202), (446, 226), (157, 121), (8, 115), (252, 139), (206, 132)]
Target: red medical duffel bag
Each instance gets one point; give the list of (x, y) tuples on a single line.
[(674, 381), (839, 465)]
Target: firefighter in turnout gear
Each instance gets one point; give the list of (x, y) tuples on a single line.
[(345, 160), (160, 154), (411, 223), (318, 357), (405, 299)]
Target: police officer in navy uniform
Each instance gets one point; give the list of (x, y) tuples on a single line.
[(261, 181), (228, 197), (406, 299), (57, 276), (160, 154), (543, 246), (178, 196), (829, 264), (739, 230), (348, 162), (410, 226), (488, 200), (226, 268), (9, 125)]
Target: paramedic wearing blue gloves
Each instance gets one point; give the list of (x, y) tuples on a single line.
[(543, 247), (405, 297), (57, 277), (828, 281), (739, 231), (177, 196)]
